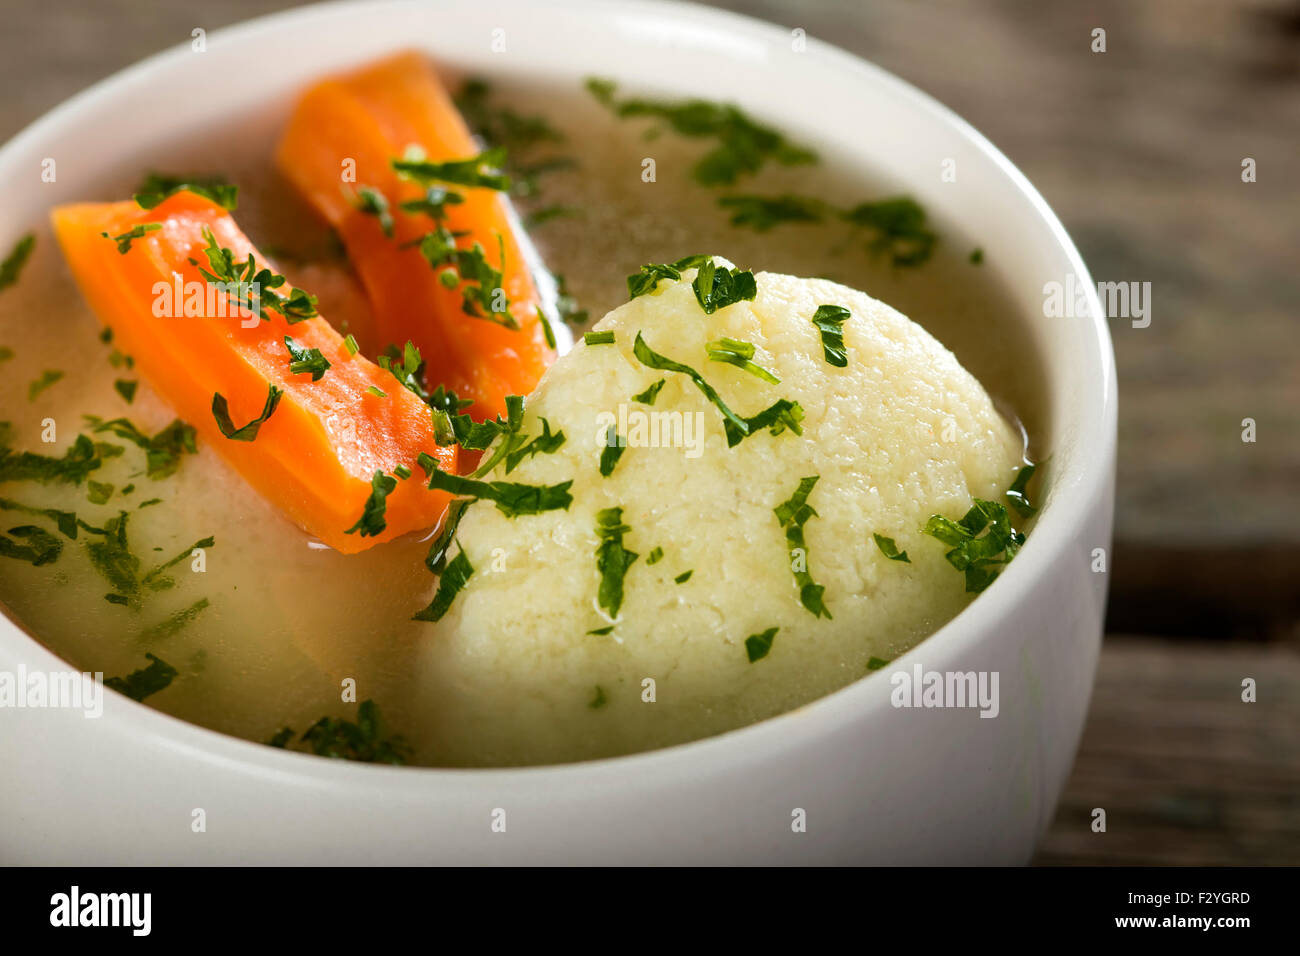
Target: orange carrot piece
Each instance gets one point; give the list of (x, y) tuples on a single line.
[(361, 121), (316, 455)]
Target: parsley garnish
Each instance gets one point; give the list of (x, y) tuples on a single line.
[(112, 557), (135, 232), (889, 549), (480, 281), (247, 432), (741, 147), (655, 556), (977, 257), (875, 663), (976, 554), (740, 354), (650, 275), (598, 338), (650, 394), (615, 445), (42, 547), (403, 472), (717, 287), (361, 741), (372, 202), (1016, 493), (450, 583), (48, 378), (757, 645), (126, 388), (254, 288), (149, 680), (306, 360), (372, 521), (434, 202), (98, 492), (66, 520), (612, 559), (684, 576), (483, 170), (761, 213), (598, 700), (350, 343), (157, 187), (511, 499), (899, 229), (793, 515), (78, 461), (830, 320), (13, 263), (163, 451)]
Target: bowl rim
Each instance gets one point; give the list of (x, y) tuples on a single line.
[(1056, 524)]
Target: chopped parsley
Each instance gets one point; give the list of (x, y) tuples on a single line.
[(717, 287), (48, 378), (163, 450), (135, 232), (112, 557), (12, 266), (433, 203), (898, 229), (793, 515), (511, 498), (650, 394), (757, 645), (1016, 493), (612, 559), (977, 552), (684, 576), (480, 281), (350, 343), (875, 663), (890, 550), (741, 145), (977, 257), (377, 391), (615, 445), (761, 213), (362, 741), (65, 520), (655, 556), (157, 187), (126, 388), (372, 202), (41, 547), (451, 582), (598, 700), (246, 432), (776, 418), (598, 338), (401, 471), (650, 275), (372, 521), (254, 288), (740, 354), (546, 443), (602, 631), (145, 682), (81, 458), (483, 170), (436, 559), (98, 492), (174, 623), (305, 360), (830, 320)]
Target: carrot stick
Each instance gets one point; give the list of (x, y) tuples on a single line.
[(357, 124), (316, 455)]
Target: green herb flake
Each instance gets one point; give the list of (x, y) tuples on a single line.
[(829, 320), (401, 471), (650, 394), (793, 515), (157, 187), (12, 266), (615, 445), (164, 451), (246, 432), (717, 287), (598, 338), (306, 361), (135, 232), (81, 458), (362, 741), (481, 171), (1016, 493), (602, 631), (981, 543), (48, 378), (372, 202), (98, 492), (875, 663), (650, 275), (598, 699), (433, 203), (372, 521), (762, 213), (65, 520), (977, 257), (451, 582), (741, 146), (740, 354), (41, 547), (684, 576), (890, 550), (897, 228), (612, 560), (145, 682), (758, 645), (251, 288), (174, 623), (511, 499), (655, 556), (126, 388), (350, 343)]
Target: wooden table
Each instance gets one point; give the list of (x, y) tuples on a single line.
[(1139, 149)]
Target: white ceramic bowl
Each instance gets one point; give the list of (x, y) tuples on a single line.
[(877, 783)]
